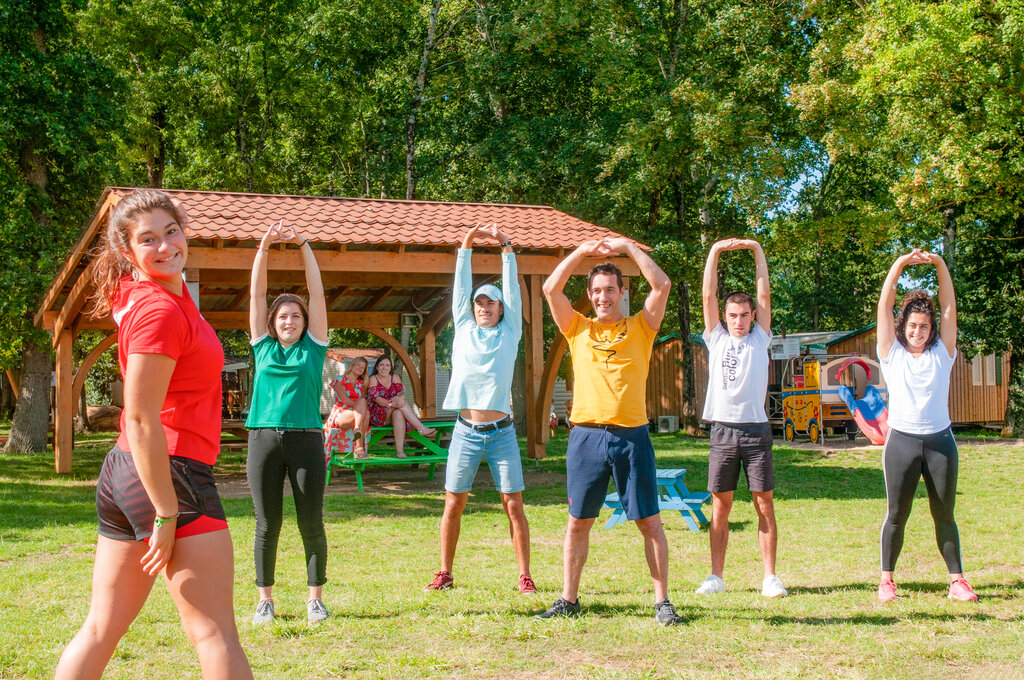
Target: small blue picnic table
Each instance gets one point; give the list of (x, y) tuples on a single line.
[(672, 495)]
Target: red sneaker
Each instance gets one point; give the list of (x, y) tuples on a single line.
[(442, 581), (886, 591), (526, 585), (961, 590)]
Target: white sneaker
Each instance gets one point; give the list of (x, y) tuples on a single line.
[(771, 586), (264, 612), (711, 585)]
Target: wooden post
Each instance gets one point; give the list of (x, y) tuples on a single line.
[(63, 427), (428, 373), (536, 421)]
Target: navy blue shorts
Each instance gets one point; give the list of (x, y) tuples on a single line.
[(626, 455)]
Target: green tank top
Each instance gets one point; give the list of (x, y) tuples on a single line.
[(289, 380)]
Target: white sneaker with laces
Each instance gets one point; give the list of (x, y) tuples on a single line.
[(711, 585), (264, 612), (772, 587)]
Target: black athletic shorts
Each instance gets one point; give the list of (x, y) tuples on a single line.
[(126, 513), (736, 444)]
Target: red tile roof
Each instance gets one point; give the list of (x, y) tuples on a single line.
[(343, 354), (232, 215)]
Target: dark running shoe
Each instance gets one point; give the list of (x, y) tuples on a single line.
[(561, 607), (665, 614), (442, 581)]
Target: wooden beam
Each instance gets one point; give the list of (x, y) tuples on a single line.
[(335, 294), (236, 302), (83, 369), (12, 378), (225, 320), (382, 261), (424, 296), (533, 336), (107, 201), (410, 365), (239, 277), (63, 425), (428, 373), (377, 298), (74, 303)]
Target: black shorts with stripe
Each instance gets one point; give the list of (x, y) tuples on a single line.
[(125, 512)]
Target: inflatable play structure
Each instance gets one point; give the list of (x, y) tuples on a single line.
[(837, 392)]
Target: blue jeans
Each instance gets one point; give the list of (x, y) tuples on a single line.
[(499, 448)]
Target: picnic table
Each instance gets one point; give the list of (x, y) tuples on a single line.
[(672, 495), (380, 453)]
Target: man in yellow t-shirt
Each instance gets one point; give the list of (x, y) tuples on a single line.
[(610, 358)]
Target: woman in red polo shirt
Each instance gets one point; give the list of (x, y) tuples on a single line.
[(156, 499)]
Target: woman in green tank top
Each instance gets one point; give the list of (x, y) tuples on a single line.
[(285, 437)]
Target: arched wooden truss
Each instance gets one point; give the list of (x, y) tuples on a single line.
[(381, 261)]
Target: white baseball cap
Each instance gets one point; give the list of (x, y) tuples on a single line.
[(488, 290)]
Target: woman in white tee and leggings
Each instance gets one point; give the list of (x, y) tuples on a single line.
[(916, 359)]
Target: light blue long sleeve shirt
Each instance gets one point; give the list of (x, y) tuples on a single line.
[(483, 358)]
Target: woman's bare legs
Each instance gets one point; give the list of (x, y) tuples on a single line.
[(410, 417), (398, 426), (200, 578), (119, 590)]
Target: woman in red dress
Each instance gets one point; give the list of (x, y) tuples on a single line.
[(385, 399), (346, 425)]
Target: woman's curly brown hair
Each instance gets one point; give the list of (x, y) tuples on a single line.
[(920, 302), (111, 260)]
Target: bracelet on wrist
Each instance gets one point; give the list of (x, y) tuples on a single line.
[(261, 249), (159, 521), (304, 242), (505, 244)]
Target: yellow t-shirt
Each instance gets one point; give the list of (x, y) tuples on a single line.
[(610, 364)]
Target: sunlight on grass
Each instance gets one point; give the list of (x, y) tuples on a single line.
[(383, 550)]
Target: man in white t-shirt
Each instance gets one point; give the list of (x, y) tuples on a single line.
[(740, 433)]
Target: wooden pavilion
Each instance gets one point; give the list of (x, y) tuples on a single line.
[(384, 264)]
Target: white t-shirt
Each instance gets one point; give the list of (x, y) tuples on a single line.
[(918, 388), (737, 376)]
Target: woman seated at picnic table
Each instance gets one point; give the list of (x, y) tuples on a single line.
[(346, 424), (385, 399)]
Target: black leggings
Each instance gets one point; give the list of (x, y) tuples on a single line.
[(905, 459), (299, 455)]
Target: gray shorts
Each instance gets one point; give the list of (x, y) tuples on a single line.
[(733, 444)]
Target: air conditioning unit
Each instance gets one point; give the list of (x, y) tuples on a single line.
[(411, 320), (668, 424)]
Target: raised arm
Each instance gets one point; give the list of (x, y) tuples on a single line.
[(258, 283), (947, 303), (764, 291), (554, 286), (661, 285), (709, 289), (885, 331), (315, 285)]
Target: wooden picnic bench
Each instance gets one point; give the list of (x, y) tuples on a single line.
[(672, 495), (431, 454)]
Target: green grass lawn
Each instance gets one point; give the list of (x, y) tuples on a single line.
[(383, 550)]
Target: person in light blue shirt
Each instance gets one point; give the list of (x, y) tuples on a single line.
[(488, 327)]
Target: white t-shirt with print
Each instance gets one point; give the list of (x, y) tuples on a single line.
[(737, 376), (918, 388)]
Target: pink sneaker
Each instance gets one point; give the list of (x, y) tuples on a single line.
[(886, 591), (526, 585), (442, 581), (961, 590)]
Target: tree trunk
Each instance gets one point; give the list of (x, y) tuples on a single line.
[(32, 414), (690, 419), (519, 393), (157, 156), (1013, 422), (83, 426), (949, 217), (417, 101)]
